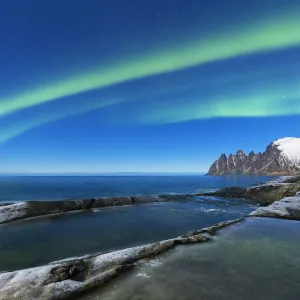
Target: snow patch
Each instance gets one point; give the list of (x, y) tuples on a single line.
[(290, 148), (143, 275)]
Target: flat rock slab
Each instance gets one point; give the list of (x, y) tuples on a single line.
[(264, 193), (270, 192), (31, 209), (287, 208)]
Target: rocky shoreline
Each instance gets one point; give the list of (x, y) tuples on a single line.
[(70, 278), (264, 193)]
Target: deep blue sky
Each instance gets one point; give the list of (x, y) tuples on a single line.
[(161, 85)]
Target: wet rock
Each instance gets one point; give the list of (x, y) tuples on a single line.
[(212, 230), (268, 193), (231, 192), (113, 201), (155, 249), (177, 197), (57, 274), (147, 199), (66, 270), (87, 204), (292, 179), (197, 238), (76, 269)]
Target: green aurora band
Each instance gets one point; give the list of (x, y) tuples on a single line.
[(252, 105), (261, 101), (268, 35), (30, 121)]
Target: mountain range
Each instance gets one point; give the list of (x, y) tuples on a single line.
[(281, 157)]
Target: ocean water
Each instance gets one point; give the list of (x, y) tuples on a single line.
[(257, 259), (20, 188), (37, 241), (41, 240)]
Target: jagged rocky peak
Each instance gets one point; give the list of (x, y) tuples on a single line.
[(281, 157), (251, 154)]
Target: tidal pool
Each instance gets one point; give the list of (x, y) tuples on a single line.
[(257, 259), (38, 241)]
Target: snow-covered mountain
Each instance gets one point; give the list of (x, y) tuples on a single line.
[(281, 157)]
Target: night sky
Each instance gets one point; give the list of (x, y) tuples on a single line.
[(144, 86)]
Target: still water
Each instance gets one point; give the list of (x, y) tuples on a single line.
[(41, 240), (258, 259), (20, 188)]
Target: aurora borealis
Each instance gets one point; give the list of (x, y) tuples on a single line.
[(144, 72)]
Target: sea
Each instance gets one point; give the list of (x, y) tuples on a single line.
[(37, 241), (258, 258), (21, 188)]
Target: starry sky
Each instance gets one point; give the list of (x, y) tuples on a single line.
[(144, 86)]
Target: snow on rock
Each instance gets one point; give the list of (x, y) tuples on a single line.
[(13, 212), (290, 148)]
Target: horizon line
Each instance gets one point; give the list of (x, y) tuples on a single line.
[(95, 173)]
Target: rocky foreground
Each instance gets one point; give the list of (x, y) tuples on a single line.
[(73, 277)]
